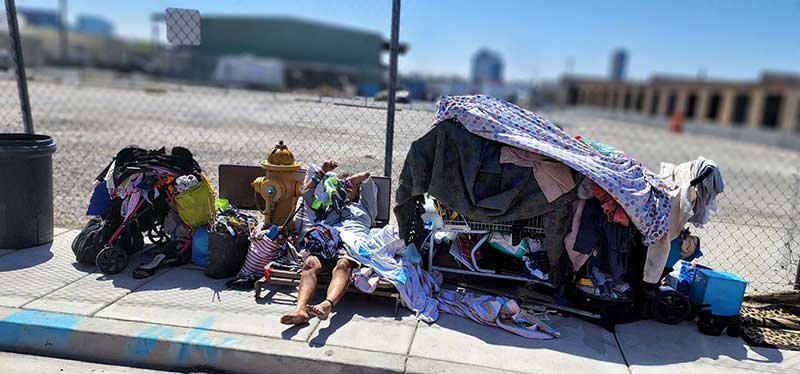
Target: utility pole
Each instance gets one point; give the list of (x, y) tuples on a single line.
[(62, 31), (569, 65)]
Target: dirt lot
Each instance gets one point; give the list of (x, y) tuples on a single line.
[(755, 233)]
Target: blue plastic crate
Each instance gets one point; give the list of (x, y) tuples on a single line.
[(723, 291)]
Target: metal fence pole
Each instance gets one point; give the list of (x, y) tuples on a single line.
[(796, 211), (19, 65), (394, 49)]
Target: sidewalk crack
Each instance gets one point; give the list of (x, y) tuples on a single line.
[(621, 352), (112, 302), (410, 344), (53, 291)]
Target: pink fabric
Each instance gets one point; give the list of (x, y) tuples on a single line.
[(554, 178), (612, 208), (577, 258)]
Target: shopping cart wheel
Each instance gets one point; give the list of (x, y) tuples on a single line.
[(671, 307), (112, 259), (734, 328)]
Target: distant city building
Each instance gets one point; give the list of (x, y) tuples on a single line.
[(313, 54), (417, 88), (45, 18), (516, 92), (487, 67), (42, 43), (94, 25), (619, 65), (772, 102)]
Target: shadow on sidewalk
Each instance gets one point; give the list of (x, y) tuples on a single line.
[(26, 258), (362, 307), (649, 343), (124, 279)]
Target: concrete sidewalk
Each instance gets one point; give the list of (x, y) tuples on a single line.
[(180, 319)]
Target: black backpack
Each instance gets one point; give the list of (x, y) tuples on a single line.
[(91, 240), (95, 235)]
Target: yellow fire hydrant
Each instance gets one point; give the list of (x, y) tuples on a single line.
[(280, 187)]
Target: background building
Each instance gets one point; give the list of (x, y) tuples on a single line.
[(42, 43), (772, 102), (487, 67), (44, 18), (619, 65), (313, 54), (94, 25)]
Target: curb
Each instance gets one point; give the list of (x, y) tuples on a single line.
[(166, 347)]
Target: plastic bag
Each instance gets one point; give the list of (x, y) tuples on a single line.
[(196, 205), (200, 246)]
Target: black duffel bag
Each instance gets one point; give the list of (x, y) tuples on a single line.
[(226, 254)]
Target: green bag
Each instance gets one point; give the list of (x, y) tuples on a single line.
[(502, 242), (196, 205)]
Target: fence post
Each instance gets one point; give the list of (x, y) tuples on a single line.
[(790, 242), (19, 65), (394, 50)]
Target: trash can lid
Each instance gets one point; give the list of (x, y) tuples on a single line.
[(26, 143)]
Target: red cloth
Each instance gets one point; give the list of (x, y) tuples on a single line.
[(613, 210)]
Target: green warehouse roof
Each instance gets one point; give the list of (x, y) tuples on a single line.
[(291, 40)]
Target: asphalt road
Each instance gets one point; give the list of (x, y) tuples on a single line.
[(27, 364), (754, 234)]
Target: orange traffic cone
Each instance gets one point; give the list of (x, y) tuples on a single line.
[(676, 122)]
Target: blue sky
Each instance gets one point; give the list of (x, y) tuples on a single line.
[(730, 39)]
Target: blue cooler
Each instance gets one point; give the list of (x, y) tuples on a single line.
[(723, 291)]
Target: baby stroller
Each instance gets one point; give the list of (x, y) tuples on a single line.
[(133, 197)]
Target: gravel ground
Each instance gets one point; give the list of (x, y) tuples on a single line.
[(754, 233)]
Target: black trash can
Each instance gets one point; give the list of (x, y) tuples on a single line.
[(26, 190)]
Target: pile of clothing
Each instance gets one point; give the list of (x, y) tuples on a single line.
[(608, 221), (383, 254), (335, 226), (163, 195), (231, 220)]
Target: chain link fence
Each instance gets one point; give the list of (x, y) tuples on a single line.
[(92, 113)]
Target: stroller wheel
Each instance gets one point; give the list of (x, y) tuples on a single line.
[(671, 307), (157, 235), (112, 259)]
